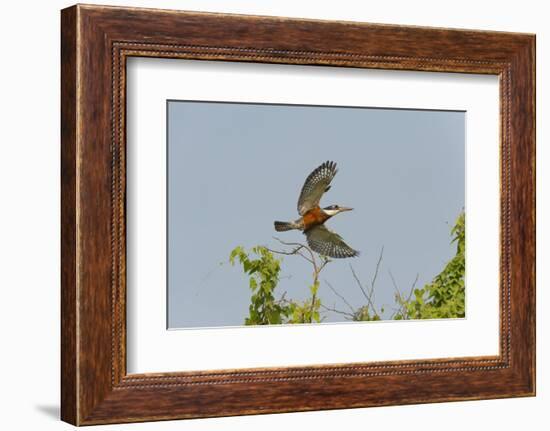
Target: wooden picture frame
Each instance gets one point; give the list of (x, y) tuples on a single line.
[(95, 43)]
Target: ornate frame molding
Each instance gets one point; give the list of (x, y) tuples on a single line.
[(96, 41)]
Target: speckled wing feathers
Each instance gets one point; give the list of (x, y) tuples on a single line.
[(316, 184), (328, 243)]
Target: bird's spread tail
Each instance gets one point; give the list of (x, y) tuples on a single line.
[(281, 226)]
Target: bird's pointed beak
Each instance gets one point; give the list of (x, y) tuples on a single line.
[(342, 209)]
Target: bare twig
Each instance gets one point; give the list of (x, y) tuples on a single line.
[(287, 253), (394, 284), (412, 287), (368, 295), (299, 246), (399, 297), (340, 296), (358, 281), (409, 296), (325, 261), (402, 301), (374, 278), (373, 281), (295, 251), (349, 316), (369, 301)]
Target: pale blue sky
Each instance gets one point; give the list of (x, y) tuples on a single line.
[(235, 168)]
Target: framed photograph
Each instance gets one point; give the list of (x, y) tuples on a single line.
[(263, 214)]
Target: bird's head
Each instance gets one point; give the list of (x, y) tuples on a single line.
[(332, 210)]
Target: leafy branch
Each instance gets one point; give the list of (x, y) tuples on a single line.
[(264, 276), (445, 296)]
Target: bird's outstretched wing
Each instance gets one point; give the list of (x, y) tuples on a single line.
[(317, 183), (328, 243)]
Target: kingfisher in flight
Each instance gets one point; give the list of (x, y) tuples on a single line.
[(313, 217)]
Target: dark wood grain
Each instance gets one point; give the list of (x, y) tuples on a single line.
[(68, 218), (96, 41)]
